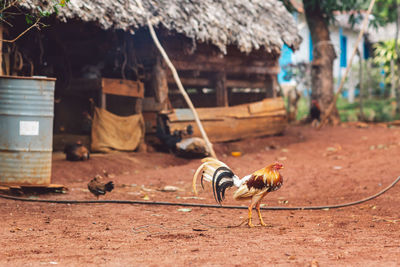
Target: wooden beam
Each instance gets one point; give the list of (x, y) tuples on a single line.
[(266, 107), (229, 82), (220, 89), (245, 84), (191, 81), (122, 87), (235, 129), (203, 54), (235, 122), (224, 66)]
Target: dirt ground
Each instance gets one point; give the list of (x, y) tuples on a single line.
[(328, 166)]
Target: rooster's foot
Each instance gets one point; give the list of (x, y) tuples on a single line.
[(250, 224)]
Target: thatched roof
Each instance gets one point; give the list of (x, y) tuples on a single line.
[(247, 24)]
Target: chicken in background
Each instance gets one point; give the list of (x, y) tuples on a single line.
[(193, 147), (97, 187), (252, 187), (168, 139), (315, 113), (76, 152)]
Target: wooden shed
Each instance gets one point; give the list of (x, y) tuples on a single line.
[(100, 51)]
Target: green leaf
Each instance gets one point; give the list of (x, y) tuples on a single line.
[(29, 19)]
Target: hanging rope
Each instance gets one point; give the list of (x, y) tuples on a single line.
[(178, 81)]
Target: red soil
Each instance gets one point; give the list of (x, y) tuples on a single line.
[(333, 165)]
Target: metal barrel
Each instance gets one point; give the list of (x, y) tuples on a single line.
[(26, 130)]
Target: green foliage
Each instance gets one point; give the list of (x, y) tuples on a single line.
[(371, 79), (385, 52), (303, 108), (328, 7), (6, 5), (55, 5), (375, 110), (384, 12)]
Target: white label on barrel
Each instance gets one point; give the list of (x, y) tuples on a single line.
[(28, 128)]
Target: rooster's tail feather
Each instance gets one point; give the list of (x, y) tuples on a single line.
[(218, 174), (207, 169), (222, 179)]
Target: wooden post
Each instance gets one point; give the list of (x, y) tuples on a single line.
[(1, 49), (159, 82), (220, 89), (271, 84), (103, 100), (138, 105)]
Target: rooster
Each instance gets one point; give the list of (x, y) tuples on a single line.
[(315, 113), (254, 186), (97, 188)]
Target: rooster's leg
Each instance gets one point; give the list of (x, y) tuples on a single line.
[(250, 224), (259, 213), (254, 200), (258, 209)]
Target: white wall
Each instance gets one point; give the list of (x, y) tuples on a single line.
[(303, 54)]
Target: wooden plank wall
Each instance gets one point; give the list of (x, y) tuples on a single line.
[(267, 117)]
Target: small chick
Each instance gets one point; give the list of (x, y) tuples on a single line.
[(97, 188)]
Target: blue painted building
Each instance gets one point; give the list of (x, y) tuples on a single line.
[(343, 38)]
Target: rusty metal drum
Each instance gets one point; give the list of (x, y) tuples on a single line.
[(26, 130)]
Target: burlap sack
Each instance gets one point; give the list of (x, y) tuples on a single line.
[(112, 132)]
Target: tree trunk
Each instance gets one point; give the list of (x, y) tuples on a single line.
[(369, 80), (392, 79), (361, 85), (323, 57)]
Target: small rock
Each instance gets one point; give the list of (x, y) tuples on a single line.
[(314, 263), (170, 188), (185, 210), (331, 149)]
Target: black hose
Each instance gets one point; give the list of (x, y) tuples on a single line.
[(161, 203)]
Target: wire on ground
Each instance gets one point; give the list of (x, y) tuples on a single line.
[(161, 203)]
